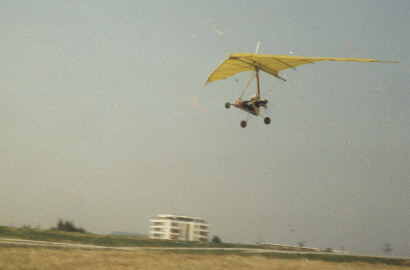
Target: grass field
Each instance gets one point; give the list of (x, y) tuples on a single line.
[(102, 240), (48, 258), (28, 257)]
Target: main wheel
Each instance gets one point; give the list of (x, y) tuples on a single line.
[(243, 123), (266, 120), (227, 105)]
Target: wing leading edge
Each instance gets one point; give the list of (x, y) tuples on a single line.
[(272, 64)]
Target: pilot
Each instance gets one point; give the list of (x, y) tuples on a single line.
[(251, 105)]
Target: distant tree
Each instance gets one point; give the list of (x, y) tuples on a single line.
[(387, 248), (61, 225), (302, 243), (216, 239), (68, 226)]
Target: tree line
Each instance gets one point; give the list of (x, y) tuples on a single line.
[(68, 226)]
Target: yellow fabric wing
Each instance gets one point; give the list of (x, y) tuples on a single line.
[(272, 64)]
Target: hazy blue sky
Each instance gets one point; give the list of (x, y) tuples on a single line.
[(105, 119)]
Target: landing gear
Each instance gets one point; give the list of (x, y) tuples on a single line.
[(227, 105), (266, 120)]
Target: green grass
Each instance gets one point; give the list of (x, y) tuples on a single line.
[(130, 241), (102, 240)]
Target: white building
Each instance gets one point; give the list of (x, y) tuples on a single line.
[(175, 227)]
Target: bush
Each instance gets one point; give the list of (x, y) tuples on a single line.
[(68, 226), (216, 239)]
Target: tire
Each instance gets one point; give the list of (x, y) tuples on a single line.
[(266, 120), (227, 105), (243, 123)]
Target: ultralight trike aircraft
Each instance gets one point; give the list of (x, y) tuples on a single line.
[(272, 64)]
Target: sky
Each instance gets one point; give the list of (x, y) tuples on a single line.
[(105, 120)]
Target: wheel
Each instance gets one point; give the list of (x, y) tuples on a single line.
[(227, 105), (243, 123), (266, 120)]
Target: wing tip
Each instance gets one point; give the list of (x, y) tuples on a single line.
[(383, 61)]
